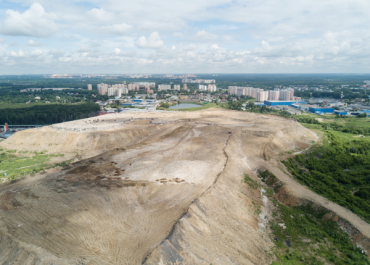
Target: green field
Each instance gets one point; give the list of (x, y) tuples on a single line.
[(14, 165)]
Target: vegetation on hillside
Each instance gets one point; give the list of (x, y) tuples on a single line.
[(47, 114), (14, 165), (302, 236), (338, 170)]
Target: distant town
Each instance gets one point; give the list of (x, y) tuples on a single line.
[(143, 95)]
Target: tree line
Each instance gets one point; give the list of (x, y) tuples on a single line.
[(47, 114)]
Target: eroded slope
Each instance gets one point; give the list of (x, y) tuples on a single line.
[(164, 188)]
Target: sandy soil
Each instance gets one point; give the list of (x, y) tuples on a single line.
[(163, 188)]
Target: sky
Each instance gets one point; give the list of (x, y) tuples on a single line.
[(193, 36)]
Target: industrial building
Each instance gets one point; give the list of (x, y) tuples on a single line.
[(319, 110), (302, 107), (340, 112), (283, 103)]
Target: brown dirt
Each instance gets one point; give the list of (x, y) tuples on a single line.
[(146, 193)]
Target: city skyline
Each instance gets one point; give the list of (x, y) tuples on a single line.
[(220, 36)]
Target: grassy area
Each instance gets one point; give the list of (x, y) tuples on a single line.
[(302, 236), (14, 165)]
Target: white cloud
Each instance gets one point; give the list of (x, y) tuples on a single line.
[(20, 53), (100, 14), (2, 40), (33, 22), (84, 49), (118, 29), (154, 41), (216, 35), (33, 43), (202, 34), (36, 52)]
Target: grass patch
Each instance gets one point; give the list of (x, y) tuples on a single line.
[(13, 166), (251, 182)]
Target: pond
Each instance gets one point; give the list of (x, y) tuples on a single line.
[(185, 106)]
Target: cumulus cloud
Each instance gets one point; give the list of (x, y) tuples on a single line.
[(33, 22), (33, 43), (216, 35), (153, 42)]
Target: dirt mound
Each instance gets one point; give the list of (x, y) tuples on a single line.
[(165, 188)]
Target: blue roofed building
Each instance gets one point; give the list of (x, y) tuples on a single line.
[(282, 102), (324, 110)]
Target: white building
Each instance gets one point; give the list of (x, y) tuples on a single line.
[(102, 89), (274, 95), (202, 87), (89, 87), (176, 87), (164, 87), (212, 88), (262, 96)]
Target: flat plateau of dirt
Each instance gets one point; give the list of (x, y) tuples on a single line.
[(149, 188)]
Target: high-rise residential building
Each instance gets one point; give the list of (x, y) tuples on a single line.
[(185, 87), (240, 91), (133, 86), (212, 88), (262, 95), (176, 87), (164, 87), (112, 91), (231, 90), (89, 87), (274, 95), (102, 89), (285, 95), (202, 87), (119, 92)]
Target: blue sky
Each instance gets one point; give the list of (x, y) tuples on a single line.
[(162, 36)]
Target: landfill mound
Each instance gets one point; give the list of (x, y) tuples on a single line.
[(152, 188)]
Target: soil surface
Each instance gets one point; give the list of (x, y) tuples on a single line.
[(149, 188)]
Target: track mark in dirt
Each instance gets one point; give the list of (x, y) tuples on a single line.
[(194, 201)]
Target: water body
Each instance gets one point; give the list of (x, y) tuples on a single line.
[(185, 106)]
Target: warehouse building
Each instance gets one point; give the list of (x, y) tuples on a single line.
[(340, 112), (283, 102), (324, 110)]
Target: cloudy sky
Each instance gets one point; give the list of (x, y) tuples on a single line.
[(177, 36)]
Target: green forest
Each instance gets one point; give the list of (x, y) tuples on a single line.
[(47, 114), (338, 170)]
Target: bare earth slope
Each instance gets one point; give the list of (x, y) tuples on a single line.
[(154, 188)]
